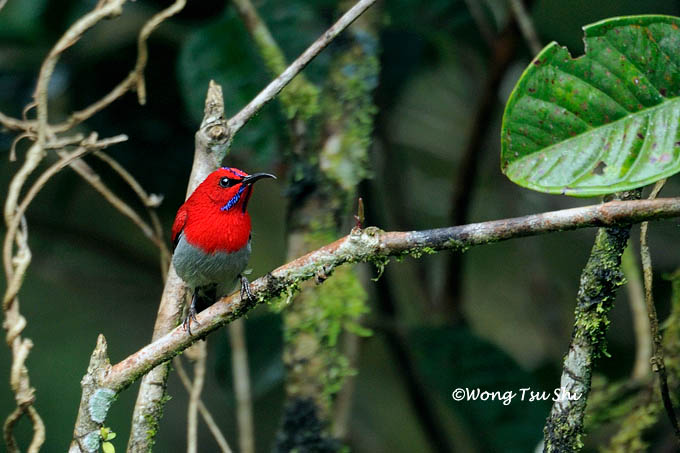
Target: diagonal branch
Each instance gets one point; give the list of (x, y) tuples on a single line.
[(376, 246), (276, 85), (207, 417)]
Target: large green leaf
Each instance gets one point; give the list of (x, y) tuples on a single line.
[(603, 122)]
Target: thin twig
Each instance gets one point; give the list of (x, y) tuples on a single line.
[(70, 37), (657, 360), (236, 122), (526, 25), (14, 123), (13, 146), (199, 353), (202, 409), (241, 374), (87, 173), (636, 298), (135, 79), (269, 49), (67, 159), (151, 202), (143, 52)]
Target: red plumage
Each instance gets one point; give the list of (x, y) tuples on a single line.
[(203, 221)]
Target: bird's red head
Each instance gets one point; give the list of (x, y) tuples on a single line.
[(229, 188), (214, 217)]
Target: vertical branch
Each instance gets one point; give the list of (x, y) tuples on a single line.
[(207, 417), (212, 140), (424, 412), (198, 353), (241, 373), (637, 423), (657, 360), (94, 403), (343, 403), (316, 367), (599, 280), (636, 298)]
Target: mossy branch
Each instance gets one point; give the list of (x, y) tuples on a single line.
[(300, 97), (375, 246), (599, 280)]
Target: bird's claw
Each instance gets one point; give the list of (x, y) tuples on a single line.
[(191, 315), (245, 289)]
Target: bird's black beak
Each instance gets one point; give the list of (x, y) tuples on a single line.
[(249, 180)]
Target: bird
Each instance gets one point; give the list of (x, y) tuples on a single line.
[(211, 237)]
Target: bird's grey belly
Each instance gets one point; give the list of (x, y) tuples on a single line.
[(198, 268)]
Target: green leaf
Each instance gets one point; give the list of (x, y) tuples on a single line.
[(601, 123), (107, 447)]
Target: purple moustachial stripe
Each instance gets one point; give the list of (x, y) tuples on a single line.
[(231, 203)]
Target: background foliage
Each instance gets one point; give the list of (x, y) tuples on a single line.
[(94, 272)]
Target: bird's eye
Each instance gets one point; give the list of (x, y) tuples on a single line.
[(226, 182)]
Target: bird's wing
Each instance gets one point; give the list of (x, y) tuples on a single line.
[(178, 225)]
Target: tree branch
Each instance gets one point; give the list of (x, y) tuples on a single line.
[(657, 360), (241, 377), (600, 278), (636, 300), (207, 417), (211, 148), (276, 85), (199, 352), (376, 246)]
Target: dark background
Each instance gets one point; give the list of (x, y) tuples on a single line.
[(93, 271)]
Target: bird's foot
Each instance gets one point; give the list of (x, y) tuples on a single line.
[(245, 289), (191, 314)]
